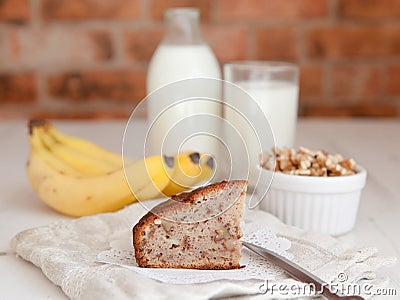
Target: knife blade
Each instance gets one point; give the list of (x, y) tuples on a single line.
[(297, 272)]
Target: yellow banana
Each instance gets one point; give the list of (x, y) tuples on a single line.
[(190, 169), (80, 161), (80, 154), (83, 146), (77, 195), (77, 178), (46, 156)]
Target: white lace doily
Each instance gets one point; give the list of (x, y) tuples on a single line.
[(67, 253), (255, 267)]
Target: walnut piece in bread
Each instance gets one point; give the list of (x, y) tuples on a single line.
[(169, 237)]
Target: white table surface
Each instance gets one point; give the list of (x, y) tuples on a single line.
[(375, 144)]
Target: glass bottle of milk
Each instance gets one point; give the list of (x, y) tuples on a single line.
[(178, 112)]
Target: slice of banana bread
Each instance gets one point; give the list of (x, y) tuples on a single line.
[(194, 230)]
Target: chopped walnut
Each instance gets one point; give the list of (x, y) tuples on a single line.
[(306, 162), (222, 233)]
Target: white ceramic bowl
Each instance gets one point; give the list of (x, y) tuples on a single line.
[(326, 204)]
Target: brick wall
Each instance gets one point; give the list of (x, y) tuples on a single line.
[(88, 58)]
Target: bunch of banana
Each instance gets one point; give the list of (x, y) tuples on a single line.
[(78, 178)]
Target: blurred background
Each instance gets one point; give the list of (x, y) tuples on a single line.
[(88, 58)]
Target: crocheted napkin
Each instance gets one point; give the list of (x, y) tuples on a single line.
[(67, 253)]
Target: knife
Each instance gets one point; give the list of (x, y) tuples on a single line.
[(297, 272)]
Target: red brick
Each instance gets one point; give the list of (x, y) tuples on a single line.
[(354, 41), (276, 44), (33, 111), (228, 42), (16, 110), (272, 9), (90, 9), (80, 114), (18, 88), (158, 7), (393, 85), (368, 110), (311, 81), (58, 46), (141, 44), (98, 85), (356, 83), (3, 48), (16, 11), (369, 9)]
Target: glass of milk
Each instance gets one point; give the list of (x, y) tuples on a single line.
[(274, 90)]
